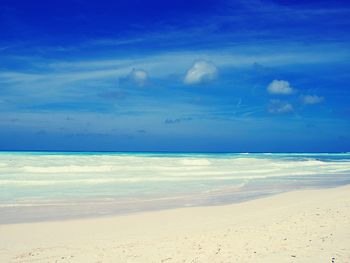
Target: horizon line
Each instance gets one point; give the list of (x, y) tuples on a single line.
[(169, 152)]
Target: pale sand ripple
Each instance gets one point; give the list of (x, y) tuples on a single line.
[(300, 226)]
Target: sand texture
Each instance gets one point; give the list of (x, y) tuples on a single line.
[(300, 226)]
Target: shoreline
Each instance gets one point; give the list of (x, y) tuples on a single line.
[(50, 187), (297, 226), (104, 209)]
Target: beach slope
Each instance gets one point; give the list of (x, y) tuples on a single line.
[(299, 226)]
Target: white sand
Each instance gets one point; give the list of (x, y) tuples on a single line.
[(301, 226)]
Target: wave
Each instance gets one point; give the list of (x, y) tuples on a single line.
[(42, 175), (67, 169)]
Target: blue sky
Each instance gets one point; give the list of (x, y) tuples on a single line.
[(240, 76)]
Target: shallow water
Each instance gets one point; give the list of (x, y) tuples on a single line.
[(47, 185)]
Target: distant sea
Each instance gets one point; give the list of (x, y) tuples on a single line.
[(37, 186)]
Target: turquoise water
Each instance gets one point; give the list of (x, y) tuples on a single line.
[(123, 182)]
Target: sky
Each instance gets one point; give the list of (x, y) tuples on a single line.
[(188, 76)]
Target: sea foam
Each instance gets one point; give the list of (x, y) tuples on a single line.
[(31, 179)]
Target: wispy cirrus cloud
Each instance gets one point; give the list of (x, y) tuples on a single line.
[(162, 64)]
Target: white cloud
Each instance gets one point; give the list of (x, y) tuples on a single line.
[(279, 107), (200, 72), (138, 76), (312, 99), (280, 87)]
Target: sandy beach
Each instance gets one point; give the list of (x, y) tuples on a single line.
[(174, 131), (299, 226)]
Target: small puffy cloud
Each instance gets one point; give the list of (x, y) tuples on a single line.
[(279, 107), (138, 76), (281, 87), (312, 99), (200, 72)]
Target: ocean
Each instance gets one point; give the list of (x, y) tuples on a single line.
[(36, 186)]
